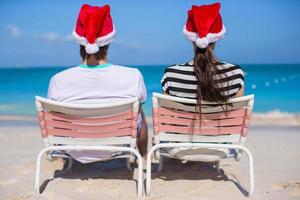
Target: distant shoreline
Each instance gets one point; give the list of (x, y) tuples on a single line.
[(131, 65), (269, 118)]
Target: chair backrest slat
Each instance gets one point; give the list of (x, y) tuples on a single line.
[(204, 116), (87, 127), (202, 123), (91, 120), (201, 131), (89, 134), (87, 112), (206, 108)]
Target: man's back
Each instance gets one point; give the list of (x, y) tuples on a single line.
[(102, 84)]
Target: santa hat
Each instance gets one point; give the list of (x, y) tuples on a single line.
[(94, 27), (204, 25)]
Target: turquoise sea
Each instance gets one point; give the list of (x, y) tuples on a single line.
[(276, 86)]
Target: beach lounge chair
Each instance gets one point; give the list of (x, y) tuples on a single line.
[(104, 127), (178, 133)]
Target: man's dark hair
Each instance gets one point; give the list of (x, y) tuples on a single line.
[(91, 58)]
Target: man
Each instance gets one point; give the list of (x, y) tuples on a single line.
[(96, 80)]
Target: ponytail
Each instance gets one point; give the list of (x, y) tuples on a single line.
[(205, 67)]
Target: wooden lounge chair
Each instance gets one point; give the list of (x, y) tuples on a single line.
[(220, 133), (104, 127)]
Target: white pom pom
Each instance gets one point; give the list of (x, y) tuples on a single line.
[(202, 43), (91, 48)]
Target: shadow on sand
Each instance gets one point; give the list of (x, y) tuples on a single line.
[(173, 170)]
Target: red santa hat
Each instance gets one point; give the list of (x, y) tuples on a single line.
[(204, 25), (94, 27)]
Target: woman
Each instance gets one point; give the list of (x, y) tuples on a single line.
[(204, 78), (96, 80)]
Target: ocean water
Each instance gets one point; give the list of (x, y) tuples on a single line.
[(276, 87)]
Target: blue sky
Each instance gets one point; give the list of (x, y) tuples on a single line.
[(38, 33)]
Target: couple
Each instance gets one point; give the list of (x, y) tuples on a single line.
[(96, 80)]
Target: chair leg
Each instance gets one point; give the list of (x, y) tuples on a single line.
[(49, 157), (160, 164), (251, 172), (70, 164), (148, 174), (140, 175), (38, 171), (107, 148), (128, 164), (240, 147), (218, 167)]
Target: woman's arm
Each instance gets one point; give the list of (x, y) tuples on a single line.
[(241, 92)]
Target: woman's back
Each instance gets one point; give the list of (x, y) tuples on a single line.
[(180, 80)]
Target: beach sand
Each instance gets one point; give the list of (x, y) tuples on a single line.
[(275, 149)]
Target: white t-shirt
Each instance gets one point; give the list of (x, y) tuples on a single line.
[(103, 84)]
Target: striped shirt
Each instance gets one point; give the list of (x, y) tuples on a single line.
[(180, 80)]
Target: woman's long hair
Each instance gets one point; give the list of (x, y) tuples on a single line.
[(205, 67)]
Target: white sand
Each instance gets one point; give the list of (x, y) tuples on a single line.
[(276, 152)]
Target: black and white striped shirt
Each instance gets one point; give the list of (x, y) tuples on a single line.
[(180, 80)]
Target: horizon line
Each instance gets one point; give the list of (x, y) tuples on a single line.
[(130, 65)]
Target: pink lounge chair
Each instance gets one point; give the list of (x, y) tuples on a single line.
[(220, 133), (104, 127)]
